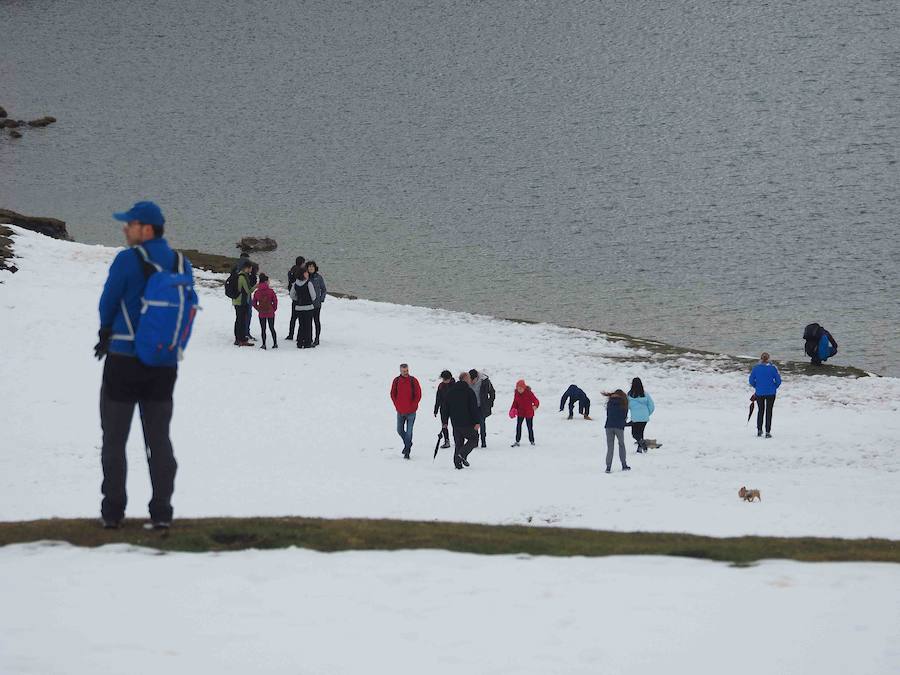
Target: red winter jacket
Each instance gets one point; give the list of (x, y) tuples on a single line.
[(406, 394), (522, 403), (265, 302)]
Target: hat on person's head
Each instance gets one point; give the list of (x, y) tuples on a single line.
[(521, 383), (147, 213), (446, 375)]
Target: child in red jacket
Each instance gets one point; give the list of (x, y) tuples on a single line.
[(523, 407), (265, 302)]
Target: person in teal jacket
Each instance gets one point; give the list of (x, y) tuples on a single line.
[(640, 406), (765, 380)]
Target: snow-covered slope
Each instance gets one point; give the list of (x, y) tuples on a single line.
[(311, 432)]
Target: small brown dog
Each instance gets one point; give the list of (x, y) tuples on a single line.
[(749, 495)]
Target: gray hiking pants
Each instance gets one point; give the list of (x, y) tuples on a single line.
[(611, 435)]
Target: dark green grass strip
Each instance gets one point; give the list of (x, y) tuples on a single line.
[(232, 534)]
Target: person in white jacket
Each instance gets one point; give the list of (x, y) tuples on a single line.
[(303, 295), (641, 406)]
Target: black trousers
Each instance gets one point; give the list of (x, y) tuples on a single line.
[(464, 440), (444, 430), (529, 422), (315, 316), (295, 316), (304, 330), (262, 329), (126, 382), (764, 405), (240, 322), (483, 432), (637, 431)]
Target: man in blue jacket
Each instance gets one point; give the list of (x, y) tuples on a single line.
[(765, 379), (127, 381)]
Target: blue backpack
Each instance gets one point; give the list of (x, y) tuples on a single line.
[(168, 308)]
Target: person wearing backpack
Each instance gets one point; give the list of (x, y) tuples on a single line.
[(126, 346), (293, 275), (252, 279), (820, 344), (265, 302), (765, 380), (318, 281), (241, 303), (303, 295)]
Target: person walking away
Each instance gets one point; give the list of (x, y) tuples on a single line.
[(440, 404), (303, 294), (265, 302), (126, 379), (575, 395), (524, 405), (406, 394), (485, 395), (318, 281), (241, 305), (293, 275), (616, 413), (765, 379), (464, 413), (640, 406)]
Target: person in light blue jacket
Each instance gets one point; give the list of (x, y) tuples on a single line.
[(765, 379), (640, 406)]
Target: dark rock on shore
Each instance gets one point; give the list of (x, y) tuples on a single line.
[(209, 261), (8, 124), (2, 111), (42, 121), (48, 226), (6, 252), (14, 134), (257, 244)]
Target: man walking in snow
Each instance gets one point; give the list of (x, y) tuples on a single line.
[(462, 407), (126, 380), (485, 395), (406, 394)]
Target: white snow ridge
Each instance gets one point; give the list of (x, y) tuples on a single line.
[(311, 433)]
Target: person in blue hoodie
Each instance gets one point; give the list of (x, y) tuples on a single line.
[(765, 379), (575, 395), (825, 349), (616, 414), (640, 406), (126, 380)]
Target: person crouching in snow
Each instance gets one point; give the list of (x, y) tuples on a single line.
[(303, 294), (641, 406), (524, 405), (616, 413), (575, 394), (265, 302)]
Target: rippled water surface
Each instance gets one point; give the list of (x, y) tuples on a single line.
[(711, 174)]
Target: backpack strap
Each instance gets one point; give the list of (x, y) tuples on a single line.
[(148, 265), (178, 267)]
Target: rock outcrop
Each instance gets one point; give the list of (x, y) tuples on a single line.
[(2, 111), (48, 226), (257, 244), (42, 121)]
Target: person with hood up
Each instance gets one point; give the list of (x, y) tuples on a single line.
[(265, 302), (640, 406), (765, 380), (820, 344), (616, 413), (575, 395), (440, 404), (303, 293), (485, 395), (464, 413), (318, 281), (524, 405), (293, 275)]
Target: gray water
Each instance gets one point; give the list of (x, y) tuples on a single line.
[(710, 174)]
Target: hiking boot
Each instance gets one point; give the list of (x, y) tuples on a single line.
[(290, 336), (158, 525), (570, 416), (111, 523), (446, 444), (262, 346), (759, 432), (484, 445), (626, 468), (464, 461), (639, 451), (608, 470), (515, 445), (768, 435), (316, 342), (588, 418), (532, 442), (243, 343), (275, 346)]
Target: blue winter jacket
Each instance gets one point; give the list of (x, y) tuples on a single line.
[(615, 414), (120, 303), (641, 407), (765, 379), (826, 350)]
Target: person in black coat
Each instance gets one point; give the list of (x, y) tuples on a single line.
[(293, 275), (485, 395), (575, 395), (440, 404), (465, 414)]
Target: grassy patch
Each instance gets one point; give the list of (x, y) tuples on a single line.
[(232, 534)]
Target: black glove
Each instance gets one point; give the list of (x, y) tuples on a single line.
[(102, 347)]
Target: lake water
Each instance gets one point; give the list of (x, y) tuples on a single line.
[(710, 174)]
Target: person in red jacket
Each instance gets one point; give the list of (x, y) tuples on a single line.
[(523, 407), (265, 302), (406, 394)]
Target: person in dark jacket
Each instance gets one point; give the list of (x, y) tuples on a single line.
[(440, 404), (485, 395), (821, 346), (242, 305), (575, 395), (318, 281), (252, 278), (616, 414), (127, 381), (765, 380), (293, 275), (464, 413), (303, 294)]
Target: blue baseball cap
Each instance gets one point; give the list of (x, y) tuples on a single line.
[(147, 213)]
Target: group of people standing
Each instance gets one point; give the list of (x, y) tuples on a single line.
[(250, 291)]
